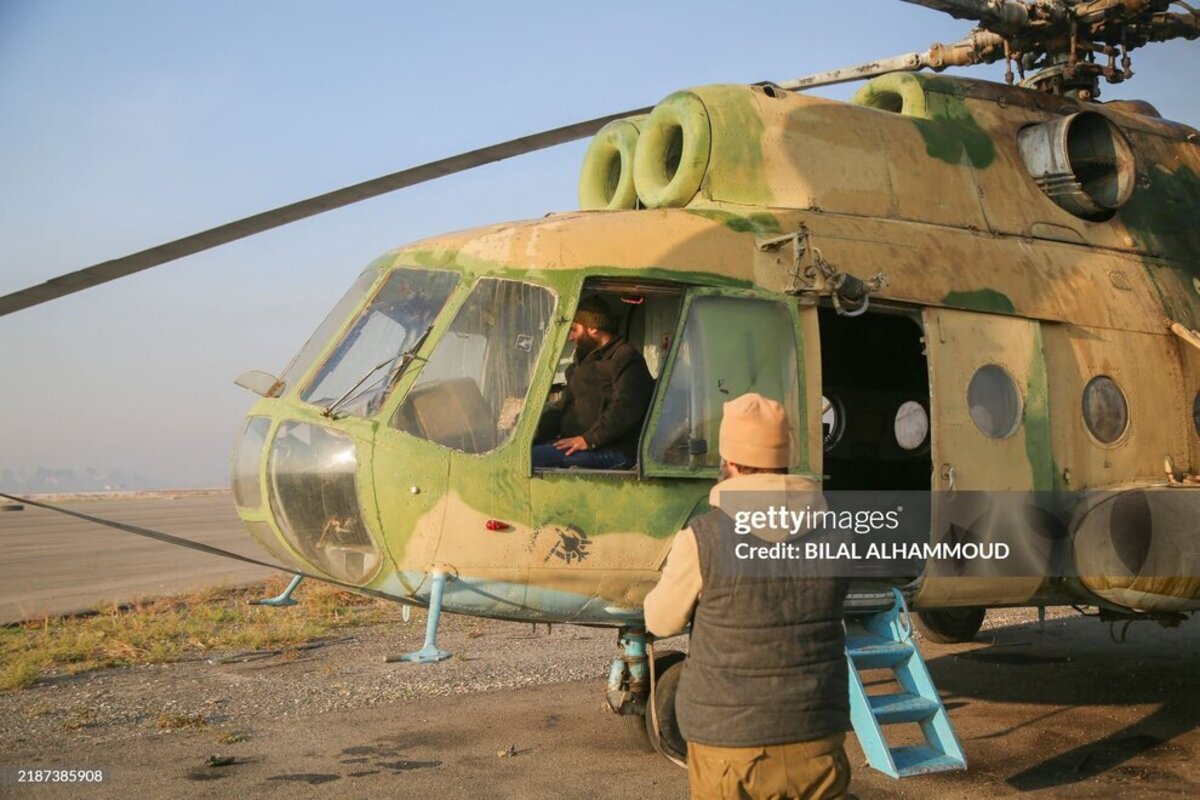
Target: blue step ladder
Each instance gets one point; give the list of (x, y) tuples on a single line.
[(883, 640)]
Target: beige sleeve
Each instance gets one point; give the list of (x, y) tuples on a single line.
[(669, 604)]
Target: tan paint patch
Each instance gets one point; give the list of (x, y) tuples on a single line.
[(959, 343), (1146, 367), (556, 557)]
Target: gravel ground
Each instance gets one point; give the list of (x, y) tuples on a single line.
[(348, 673), (1059, 711)]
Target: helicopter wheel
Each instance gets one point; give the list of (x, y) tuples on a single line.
[(638, 726), (666, 683), (951, 625)]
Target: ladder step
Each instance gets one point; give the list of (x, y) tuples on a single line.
[(858, 603), (921, 759), (884, 641), (875, 652), (890, 709)]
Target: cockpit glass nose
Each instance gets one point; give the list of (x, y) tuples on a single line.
[(246, 459), (314, 500), (359, 370)]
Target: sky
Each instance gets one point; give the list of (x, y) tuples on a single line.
[(126, 124)]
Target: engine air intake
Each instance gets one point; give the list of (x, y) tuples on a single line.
[(1082, 162), (606, 179)]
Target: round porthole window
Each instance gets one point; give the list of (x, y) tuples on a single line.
[(1105, 411), (832, 422), (994, 401), (912, 425)]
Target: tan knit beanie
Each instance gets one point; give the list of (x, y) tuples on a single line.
[(593, 312), (755, 432)]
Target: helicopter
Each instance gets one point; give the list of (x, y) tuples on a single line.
[(951, 284)]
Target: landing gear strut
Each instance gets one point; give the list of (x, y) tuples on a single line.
[(628, 695)]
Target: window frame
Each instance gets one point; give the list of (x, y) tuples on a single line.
[(308, 382), (800, 427), (390, 410)]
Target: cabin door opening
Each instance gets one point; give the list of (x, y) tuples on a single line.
[(875, 398)]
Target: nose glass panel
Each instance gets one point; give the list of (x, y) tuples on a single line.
[(314, 499), (247, 455)]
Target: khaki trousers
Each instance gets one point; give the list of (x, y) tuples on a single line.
[(812, 770)]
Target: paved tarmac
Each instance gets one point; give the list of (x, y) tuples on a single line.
[(55, 564)]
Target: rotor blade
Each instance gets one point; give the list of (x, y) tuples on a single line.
[(978, 48), (909, 62), (1167, 26), (1006, 15), (248, 226)]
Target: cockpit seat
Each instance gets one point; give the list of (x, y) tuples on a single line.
[(452, 413)]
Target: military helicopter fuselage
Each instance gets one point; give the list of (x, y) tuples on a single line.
[(950, 284)]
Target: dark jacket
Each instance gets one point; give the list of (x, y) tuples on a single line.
[(766, 660), (607, 395)]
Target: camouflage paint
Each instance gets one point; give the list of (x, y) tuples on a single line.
[(1162, 220), (737, 137), (943, 261), (1163, 217), (616, 505), (981, 300), (1036, 423), (950, 129), (750, 223)]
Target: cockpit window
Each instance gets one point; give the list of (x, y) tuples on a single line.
[(471, 393), (361, 369), (328, 327), (730, 346)]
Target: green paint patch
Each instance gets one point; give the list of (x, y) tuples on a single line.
[(602, 504), (686, 277), (748, 223), (957, 141), (951, 133), (1038, 439), (1162, 217), (736, 167), (936, 106), (981, 300)]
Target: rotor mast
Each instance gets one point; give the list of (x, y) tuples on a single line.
[(1068, 45)]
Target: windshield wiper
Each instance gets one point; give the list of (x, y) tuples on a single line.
[(401, 364)]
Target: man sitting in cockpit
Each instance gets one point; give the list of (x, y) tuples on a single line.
[(607, 394)]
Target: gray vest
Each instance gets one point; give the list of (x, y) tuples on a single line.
[(766, 661)]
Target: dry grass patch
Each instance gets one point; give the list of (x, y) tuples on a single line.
[(175, 721), (165, 629)]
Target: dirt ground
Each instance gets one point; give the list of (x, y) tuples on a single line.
[(1060, 712)]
